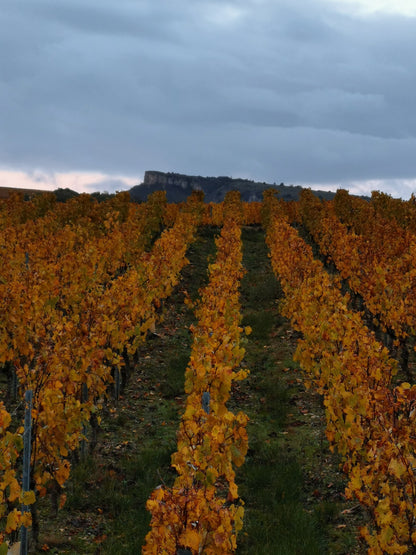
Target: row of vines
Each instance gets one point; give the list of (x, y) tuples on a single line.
[(80, 287), (202, 511), (82, 284)]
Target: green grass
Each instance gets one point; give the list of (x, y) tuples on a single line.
[(174, 379), (271, 481)]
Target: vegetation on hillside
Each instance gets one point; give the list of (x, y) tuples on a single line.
[(290, 482)]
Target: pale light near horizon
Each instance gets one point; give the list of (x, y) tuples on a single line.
[(366, 187), (81, 182), (89, 182)]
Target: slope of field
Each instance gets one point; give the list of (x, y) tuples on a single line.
[(290, 482), (6, 192)]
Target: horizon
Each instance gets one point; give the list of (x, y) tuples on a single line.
[(96, 182), (317, 188)]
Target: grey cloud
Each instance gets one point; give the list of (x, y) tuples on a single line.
[(272, 90)]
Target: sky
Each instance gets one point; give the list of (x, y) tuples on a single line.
[(318, 93)]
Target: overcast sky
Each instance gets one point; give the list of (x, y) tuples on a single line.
[(318, 93)]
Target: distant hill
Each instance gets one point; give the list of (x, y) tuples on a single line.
[(178, 187), (5, 192), (62, 195)]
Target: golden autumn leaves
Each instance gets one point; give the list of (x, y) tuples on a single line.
[(77, 289), (375, 254), (369, 421), (80, 285), (202, 511), (11, 445)]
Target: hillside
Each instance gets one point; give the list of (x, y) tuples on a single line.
[(290, 482), (5, 192), (178, 187)]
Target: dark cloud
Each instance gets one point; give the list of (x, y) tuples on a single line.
[(273, 90)]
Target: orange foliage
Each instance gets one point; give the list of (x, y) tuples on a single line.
[(11, 444), (77, 290), (369, 420), (202, 511), (375, 255)]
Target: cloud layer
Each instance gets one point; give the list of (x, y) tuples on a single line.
[(301, 92)]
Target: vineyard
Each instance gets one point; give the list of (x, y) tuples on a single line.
[(208, 378)]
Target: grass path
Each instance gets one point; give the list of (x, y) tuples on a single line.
[(290, 482)]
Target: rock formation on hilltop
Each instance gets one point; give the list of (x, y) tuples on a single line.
[(179, 186)]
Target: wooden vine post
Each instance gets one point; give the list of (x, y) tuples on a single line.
[(27, 443)]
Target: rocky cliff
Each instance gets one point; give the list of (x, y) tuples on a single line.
[(178, 187)]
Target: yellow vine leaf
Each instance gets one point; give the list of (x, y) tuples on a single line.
[(13, 521), (191, 538), (28, 498), (238, 518), (397, 468)]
